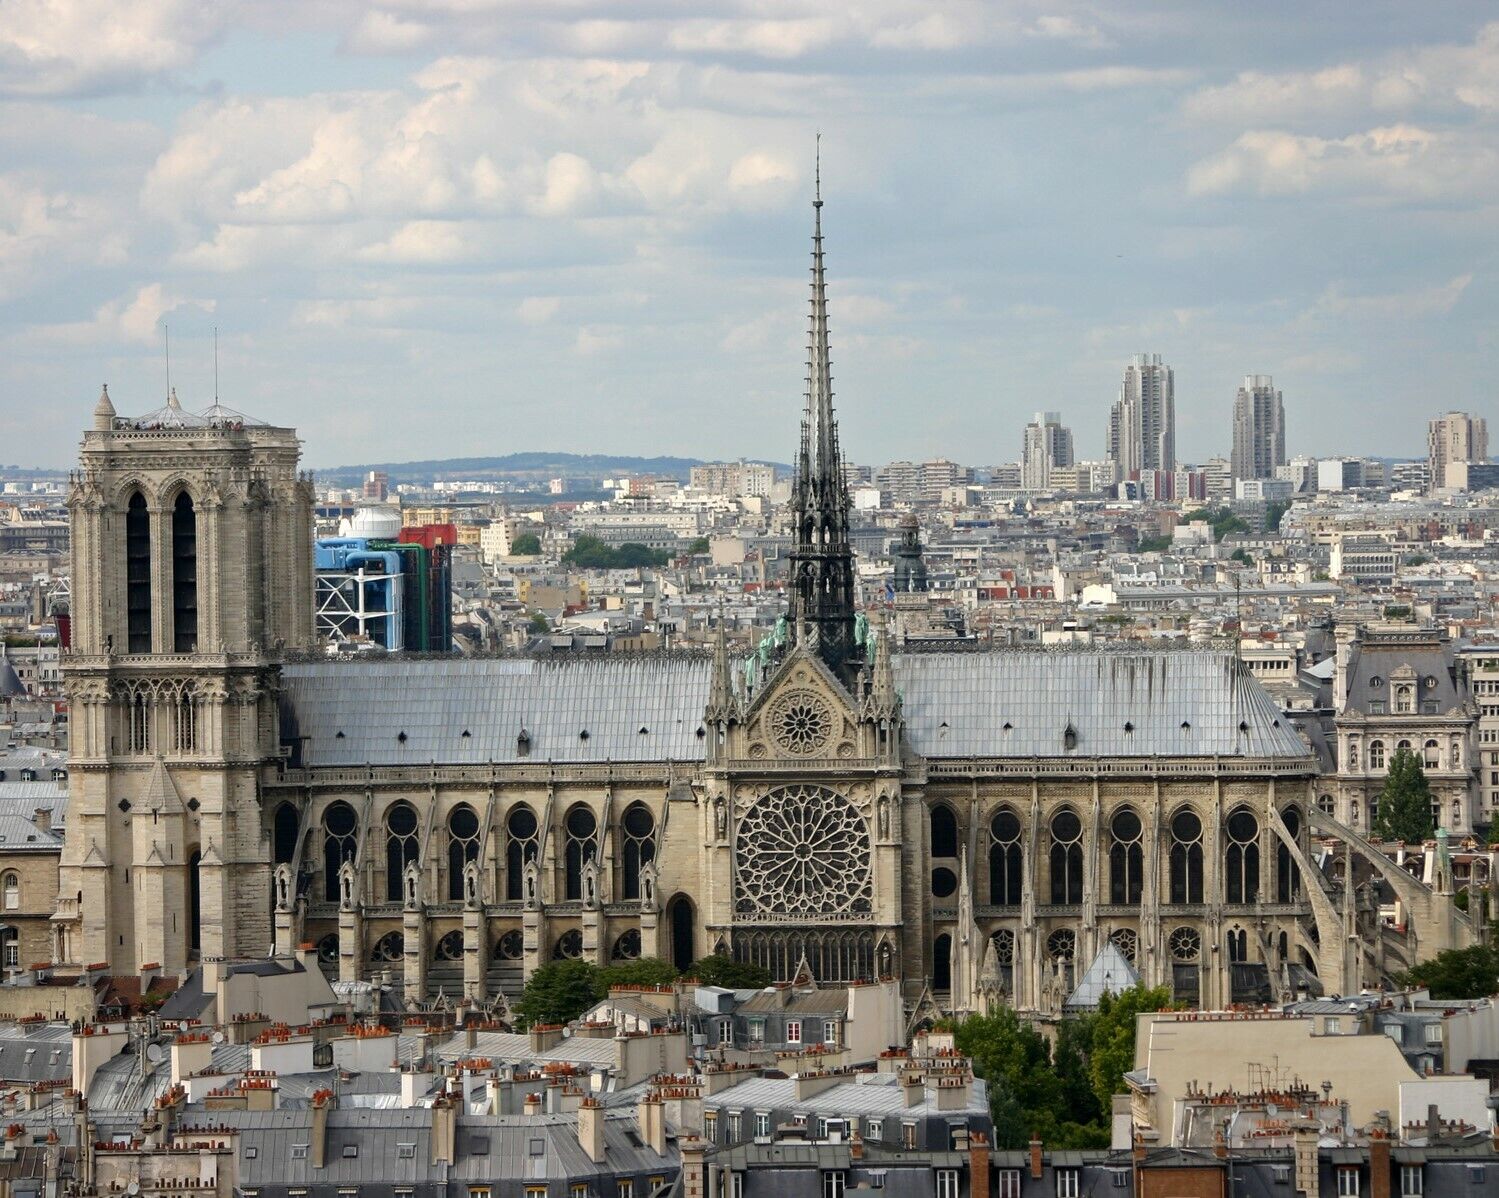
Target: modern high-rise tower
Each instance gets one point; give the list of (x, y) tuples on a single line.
[(1047, 443), (1142, 423), (1455, 437), (822, 560), (1259, 428)]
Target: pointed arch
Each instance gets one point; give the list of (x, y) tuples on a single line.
[(137, 573)]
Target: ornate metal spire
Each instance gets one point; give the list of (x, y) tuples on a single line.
[(822, 578)]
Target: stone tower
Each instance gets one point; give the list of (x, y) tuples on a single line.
[(822, 560), (192, 564)]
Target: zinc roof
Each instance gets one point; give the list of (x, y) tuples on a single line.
[(1192, 703), (636, 707), (624, 708)]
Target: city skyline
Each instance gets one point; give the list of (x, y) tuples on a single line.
[(607, 213)]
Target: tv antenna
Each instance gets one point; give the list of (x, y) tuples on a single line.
[(215, 364), (166, 333)]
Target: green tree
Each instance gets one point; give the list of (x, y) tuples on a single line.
[(719, 970), (1275, 510), (1154, 544), (528, 544), (538, 623), (1112, 1050), (1457, 973), (1404, 811), (558, 991), (591, 553), (647, 971), (1242, 555), (698, 546)]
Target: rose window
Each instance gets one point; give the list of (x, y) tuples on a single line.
[(801, 723), (1186, 944), (1061, 945), (803, 850), (1127, 943)]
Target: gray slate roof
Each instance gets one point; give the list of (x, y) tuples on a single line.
[(1187, 703)]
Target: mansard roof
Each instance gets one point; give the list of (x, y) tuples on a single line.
[(649, 707)]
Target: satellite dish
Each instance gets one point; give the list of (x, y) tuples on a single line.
[(154, 1053), (133, 1188), (217, 1037)]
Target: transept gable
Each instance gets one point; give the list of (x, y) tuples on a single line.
[(801, 713)]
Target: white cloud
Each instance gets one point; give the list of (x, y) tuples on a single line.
[(133, 318), (68, 47), (1436, 300), (1395, 160), (538, 309), (591, 341)]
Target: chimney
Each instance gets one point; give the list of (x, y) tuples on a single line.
[(694, 1155), (1379, 1165), (471, 1035), (591, 1129), (1220, 1145), (651, 1116), (322, 1103), (1307, 1179), (978, 1165), (1035, 1156), (444, 1131), (912, 1088), (43, 819), (545, 1036)]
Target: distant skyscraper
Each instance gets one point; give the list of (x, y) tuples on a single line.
[(1259, 428), (1047, 444), (1455, 437), (1142, 424)]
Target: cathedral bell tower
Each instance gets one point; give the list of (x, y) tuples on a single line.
[(191, 574), (822, 561)]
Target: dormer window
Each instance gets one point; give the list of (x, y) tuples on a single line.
[(1069, 738), (523, 744)]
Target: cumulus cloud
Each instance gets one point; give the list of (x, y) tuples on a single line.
[(1434, 300), (73, 47), (133, 318), (1393, 160)]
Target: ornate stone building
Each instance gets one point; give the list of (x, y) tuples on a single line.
[(978, 824)]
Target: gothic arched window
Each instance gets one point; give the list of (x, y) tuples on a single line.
[(1126, 858), (944, 831), (400, 849), (184, 575), (1238, 945), (520, 832), (581, 827), (1287, 873), (1186, 857), (1066, 857), (639, 827), (463, 847), (1242, 860), (1006, 871), (284, 828), (340, 843), (137, 575)]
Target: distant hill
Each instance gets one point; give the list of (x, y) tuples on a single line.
[(521, 466)]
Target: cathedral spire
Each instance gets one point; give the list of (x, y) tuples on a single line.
[(822, 568)]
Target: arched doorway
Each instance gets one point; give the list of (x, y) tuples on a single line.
[(680, 918), (194, 905)]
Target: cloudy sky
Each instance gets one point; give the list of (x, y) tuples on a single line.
[(433, 228)]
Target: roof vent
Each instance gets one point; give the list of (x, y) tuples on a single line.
[(523, 744), (1008, 727), (1069, 738), (583, 735), (465, 734), (644, 731), (1186, 726), (339, 735), (401, 736), (1243, 725), (1128, 726), (701, 732)]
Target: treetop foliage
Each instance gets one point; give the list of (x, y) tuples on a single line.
[(1404, 811)]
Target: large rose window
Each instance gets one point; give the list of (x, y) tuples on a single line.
[(803, 850)]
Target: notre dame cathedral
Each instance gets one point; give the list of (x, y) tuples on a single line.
[(979, 824)]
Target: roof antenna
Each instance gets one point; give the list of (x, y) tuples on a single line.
[(215, 365), (817, 172), (166, 333)]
